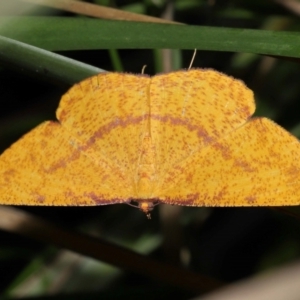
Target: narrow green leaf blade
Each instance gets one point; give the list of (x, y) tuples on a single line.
[(49, 65), (60, 33)]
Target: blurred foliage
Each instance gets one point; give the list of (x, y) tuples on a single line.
[(227, 244)]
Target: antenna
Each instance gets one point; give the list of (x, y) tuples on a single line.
[(192, 60)]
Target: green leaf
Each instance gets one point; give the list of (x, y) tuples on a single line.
[(48, 65), (62, 33)]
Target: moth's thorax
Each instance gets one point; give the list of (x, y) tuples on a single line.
[(146, 168)]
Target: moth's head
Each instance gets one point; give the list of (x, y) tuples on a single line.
[(146, 206)]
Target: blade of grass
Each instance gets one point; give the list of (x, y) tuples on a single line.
[(32, 267), (42, 63), (116, 60), (98, 11), (59, 33)]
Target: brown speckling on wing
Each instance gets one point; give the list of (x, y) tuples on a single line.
[(256, 165), (109, 114), (192, 109), (91, 157), (181, 138), (59, 174)]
